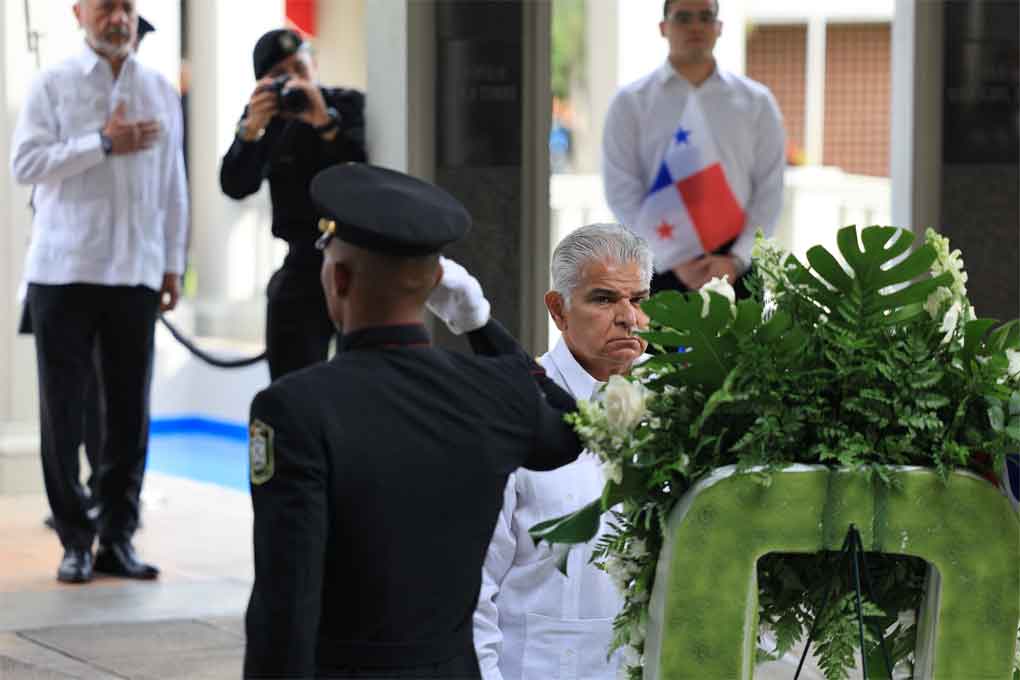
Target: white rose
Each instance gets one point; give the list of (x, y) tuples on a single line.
[(950, 321), (637, 548), (1013, 356), (717, 285), (612, 471), (637, 635), (625, 403)]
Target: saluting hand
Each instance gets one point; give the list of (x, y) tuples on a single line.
[(130, 137)]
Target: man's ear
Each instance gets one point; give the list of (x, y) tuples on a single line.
[(77, 12), (341, 279), (556, 305)]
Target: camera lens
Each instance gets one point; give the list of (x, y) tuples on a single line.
[(294, 101)]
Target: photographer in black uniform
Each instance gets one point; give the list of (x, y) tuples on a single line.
[(291, 129)]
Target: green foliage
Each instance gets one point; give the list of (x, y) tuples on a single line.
[(568, 45), (870, 365)]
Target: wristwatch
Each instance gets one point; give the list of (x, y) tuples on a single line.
[(331, 124), (106, 142), (242, 129)]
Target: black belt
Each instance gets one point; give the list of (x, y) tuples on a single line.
[(353, 654)]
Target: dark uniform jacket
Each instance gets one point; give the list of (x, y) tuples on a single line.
[(376, 487), (289, 154)]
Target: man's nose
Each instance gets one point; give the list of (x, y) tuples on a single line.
[(627, 314)]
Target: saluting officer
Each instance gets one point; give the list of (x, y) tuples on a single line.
[(376, 477)]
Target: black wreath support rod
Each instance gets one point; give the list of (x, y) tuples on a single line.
[(852, 550)]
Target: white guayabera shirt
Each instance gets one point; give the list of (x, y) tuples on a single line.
[(531, 621), (111, 220)]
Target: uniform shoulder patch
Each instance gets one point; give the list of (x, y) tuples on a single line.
[(262, 464)]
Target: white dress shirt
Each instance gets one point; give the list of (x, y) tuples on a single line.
[(532, 622), (112, 220), (747, 128)]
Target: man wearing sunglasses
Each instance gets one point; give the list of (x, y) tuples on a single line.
[(742, 122)]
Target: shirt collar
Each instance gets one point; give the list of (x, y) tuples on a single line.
[(666, 72), (88, 59), (580, 382), (385, 337)]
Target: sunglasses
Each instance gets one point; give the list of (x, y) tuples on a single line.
[(682, 17)]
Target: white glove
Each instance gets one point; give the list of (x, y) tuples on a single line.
[(458, 299)]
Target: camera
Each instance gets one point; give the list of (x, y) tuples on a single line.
[(289, 101)]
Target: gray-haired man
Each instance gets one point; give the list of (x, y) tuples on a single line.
[(531, 621)]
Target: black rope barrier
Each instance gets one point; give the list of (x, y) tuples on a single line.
[(205, 356)]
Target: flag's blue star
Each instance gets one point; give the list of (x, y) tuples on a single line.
[(682, 136)]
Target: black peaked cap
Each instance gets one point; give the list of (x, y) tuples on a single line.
[(386, 211), (144, 27), (273, 47)]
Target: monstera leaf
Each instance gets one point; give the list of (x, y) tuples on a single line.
[(706, 352), (856, 296)]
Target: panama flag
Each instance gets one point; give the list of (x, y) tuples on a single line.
[(690, 209)]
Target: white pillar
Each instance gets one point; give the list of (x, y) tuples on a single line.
[(602, 50), (232, 251), (814, 106), (401, 66), (915, 162)]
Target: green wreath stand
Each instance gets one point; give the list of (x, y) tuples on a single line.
[(703, 612)]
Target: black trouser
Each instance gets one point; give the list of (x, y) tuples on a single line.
[(298, 329), (69, 321), (93, 420)]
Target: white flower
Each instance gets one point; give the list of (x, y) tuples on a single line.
[(631, 656), (933, 305), (772, 262), (719, 285), (637, 548), (612, 471), (619, 572), (625, 402), (637, 635), (950, 321), (1013, 356)]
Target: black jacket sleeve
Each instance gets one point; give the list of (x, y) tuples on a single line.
[(290, 535), (245, 164), (493, 339), (349, 143)]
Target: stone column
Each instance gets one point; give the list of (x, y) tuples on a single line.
[(456, 95), (980, 182)]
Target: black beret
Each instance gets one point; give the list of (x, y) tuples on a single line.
[(386, 211), (274, 47), (144, 27)]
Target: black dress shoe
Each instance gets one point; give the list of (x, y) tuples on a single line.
[(119, 559), (76, 567)]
